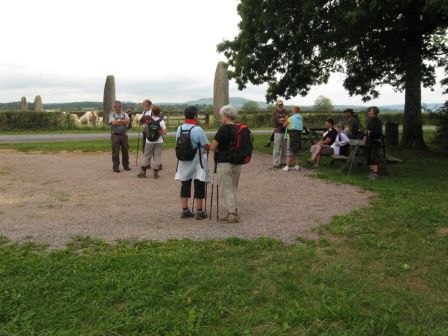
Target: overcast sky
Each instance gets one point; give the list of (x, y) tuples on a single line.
[(162, 50)]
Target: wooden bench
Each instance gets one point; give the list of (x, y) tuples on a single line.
[(338, 158)]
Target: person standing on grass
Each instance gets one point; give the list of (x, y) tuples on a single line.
[(193, 170), (279, 116), (323, 147), (119, 125), (294, 126), (373, 140), (154, 143)]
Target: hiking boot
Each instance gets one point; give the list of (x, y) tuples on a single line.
[(127, 168), (230, 218), (285, 168), (186, 214), (200, 215), (115, 169), (142, 173), (156, 174)]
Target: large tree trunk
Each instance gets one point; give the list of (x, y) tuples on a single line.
[(412, 123)]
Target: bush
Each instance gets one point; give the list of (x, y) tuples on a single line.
[(15, 120), (441, 120)]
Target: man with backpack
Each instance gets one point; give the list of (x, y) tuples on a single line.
[(155, 128), (191, 150), (232, 145)]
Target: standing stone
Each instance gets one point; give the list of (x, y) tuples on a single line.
[(23, 104), (108, 98), (220, 89), (38, 107)]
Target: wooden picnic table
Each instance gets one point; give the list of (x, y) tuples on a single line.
[(357, 158)]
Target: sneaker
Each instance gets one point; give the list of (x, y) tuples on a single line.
[(285, 168), (186, 214), (230, 218), (296, 167), (200, 215)]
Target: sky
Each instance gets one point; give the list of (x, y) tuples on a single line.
[(162, 50)]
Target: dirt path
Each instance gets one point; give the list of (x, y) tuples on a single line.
[(49, 198)]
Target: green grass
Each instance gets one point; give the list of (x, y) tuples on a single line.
[(376, 271)]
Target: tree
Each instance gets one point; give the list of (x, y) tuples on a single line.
[(250, 106), (323, 104), (374, 42)]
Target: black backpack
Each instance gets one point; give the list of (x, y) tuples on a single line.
[(240, 148), (184, 147), (153, 130)]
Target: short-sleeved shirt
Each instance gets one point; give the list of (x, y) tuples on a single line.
[(198, 167), (223, 137), (330, 134), (295, 122)]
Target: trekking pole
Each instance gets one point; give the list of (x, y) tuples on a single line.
[(211, 198), (138, 143), (217, 195), (206, 187)]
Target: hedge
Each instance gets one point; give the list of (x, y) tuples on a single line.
[(17, 120)]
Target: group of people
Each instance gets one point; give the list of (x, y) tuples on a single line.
[(193, 171), (335, 140)]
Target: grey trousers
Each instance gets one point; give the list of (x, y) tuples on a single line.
[(228, 177), (150, 150), (279, 151)]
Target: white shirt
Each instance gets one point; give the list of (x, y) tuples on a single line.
[(341, 140)]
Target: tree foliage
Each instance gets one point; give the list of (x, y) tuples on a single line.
[(250, 106), (293, 45), (323, 104)]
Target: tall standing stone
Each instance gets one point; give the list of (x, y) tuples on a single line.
[(23, 104), (108, 98), (220, 89), (38, 107)]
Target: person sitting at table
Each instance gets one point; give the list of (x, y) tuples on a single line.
[(341, 144), (323, 147)]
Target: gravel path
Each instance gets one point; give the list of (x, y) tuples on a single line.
[(49, 198)]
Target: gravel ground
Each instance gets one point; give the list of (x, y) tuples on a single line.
[(49, 198)]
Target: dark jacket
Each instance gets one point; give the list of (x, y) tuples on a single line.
[(374, 132), (276, 116)]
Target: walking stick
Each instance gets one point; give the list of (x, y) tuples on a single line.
[(211, 198), (138, 143), (217, 196), (206, 187)]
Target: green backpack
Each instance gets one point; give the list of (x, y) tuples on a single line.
[(153, 130)]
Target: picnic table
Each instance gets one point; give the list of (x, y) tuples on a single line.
[(357, 158), (312, 134)]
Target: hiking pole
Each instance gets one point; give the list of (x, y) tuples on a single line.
[(206, 187), (217, 194), (211, 199), (138, 143)]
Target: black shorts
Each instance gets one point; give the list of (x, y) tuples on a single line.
[(372, 155), (295, 142), (199, 189)]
